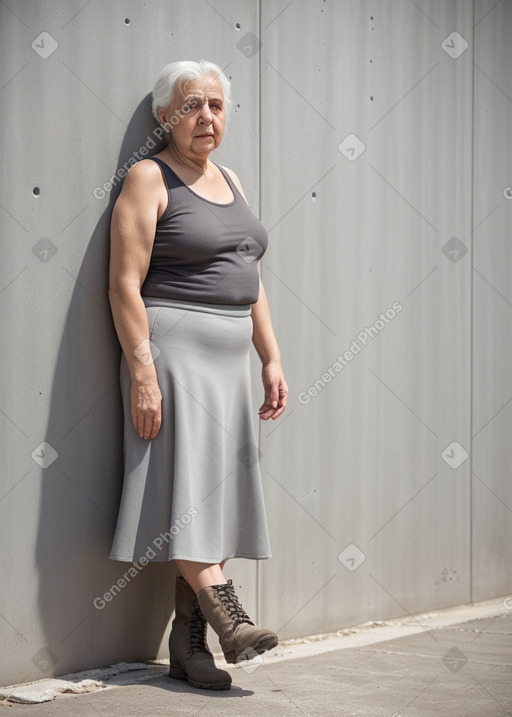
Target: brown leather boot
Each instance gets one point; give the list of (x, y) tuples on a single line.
[(190, 657), (239, 638)]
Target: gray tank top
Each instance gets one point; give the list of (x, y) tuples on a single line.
[(204, 251)]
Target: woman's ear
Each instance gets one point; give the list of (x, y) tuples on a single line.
[(161, 116)]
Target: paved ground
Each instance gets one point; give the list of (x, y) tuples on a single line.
[(454, 663)]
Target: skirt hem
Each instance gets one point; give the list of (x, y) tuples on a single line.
[(213, 561)]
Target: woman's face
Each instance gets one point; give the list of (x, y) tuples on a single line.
[(196, 116)]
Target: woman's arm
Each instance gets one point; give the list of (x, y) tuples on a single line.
[(131, 241), (265, 343)]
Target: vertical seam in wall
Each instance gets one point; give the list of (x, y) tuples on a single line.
[(258, 10), (471, 311)]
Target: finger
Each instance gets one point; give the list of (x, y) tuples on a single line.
[(271, 400), (139, 425), (142, 425), (264, 407), (148, 425), (278, 412), (266, 412), (274, 395), (157, 422), (281, 405)]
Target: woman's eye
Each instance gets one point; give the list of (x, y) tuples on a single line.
[(189, 105)]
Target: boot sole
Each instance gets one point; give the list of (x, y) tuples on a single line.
[(265, 644), (177, 673)]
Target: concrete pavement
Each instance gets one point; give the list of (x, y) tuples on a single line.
[(452, 663)]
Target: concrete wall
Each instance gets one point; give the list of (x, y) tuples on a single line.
[(375, 509)]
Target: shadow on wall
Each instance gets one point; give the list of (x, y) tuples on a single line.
[(85, 623)]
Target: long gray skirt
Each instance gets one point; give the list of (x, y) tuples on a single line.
[(195, 491)]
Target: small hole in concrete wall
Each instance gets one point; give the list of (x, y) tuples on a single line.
[(36, 191), (238, 26), (313, 195), (127, 21)]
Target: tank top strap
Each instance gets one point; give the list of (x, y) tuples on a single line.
[(236, 192), (171, 179)]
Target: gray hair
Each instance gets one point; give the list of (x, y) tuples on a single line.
[(179, 72)]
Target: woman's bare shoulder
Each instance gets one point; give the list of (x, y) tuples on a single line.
[(142, 177), (144, 169)]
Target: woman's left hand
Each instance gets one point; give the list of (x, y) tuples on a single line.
[(276, 391)]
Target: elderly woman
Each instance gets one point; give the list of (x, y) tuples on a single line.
[(186, 300)]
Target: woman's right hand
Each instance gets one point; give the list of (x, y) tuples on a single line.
[(146, 407)]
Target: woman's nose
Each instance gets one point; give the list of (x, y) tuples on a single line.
[(206, 113)]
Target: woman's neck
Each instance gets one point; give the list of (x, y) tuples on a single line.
[(197, 163)]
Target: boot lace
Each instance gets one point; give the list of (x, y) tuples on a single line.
[(231, 603), (197, 625)]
